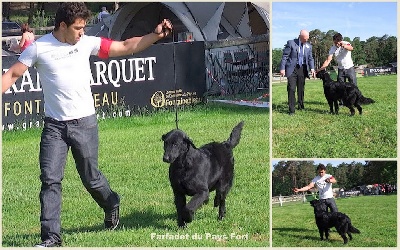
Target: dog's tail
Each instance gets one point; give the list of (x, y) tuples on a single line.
[(362, 99), (366, 100), (234, 138), (352, 229)]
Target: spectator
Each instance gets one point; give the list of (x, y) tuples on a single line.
[(104, 13), (27, 37)]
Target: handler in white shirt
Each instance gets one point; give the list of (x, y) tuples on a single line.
[(324, 182), (342, 52)]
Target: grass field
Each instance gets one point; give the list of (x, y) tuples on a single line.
[(293, 225), (131, 158), (314, 133)]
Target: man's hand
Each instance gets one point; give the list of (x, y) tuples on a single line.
[(313, 73), (165, 28), (282, 72)]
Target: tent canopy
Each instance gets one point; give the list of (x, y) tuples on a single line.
[(210, 21)]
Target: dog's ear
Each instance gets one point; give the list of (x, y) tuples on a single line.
[(189, 141)]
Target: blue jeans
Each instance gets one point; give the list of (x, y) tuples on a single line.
[(81, 135), (330, 203), (349, 74)]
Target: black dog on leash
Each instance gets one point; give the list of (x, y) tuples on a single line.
[(326, 220), (349, 93), (198, 171)]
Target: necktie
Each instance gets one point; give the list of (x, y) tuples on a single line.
[(301, 51)]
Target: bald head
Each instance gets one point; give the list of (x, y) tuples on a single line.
[(304, 36)]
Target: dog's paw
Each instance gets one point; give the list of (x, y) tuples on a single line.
[(187, 215), (182, 224)]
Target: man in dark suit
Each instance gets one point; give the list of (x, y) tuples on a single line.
[(297, 61)]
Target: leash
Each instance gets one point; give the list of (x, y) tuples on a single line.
[(176, 94)]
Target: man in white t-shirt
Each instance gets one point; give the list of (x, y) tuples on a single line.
[(323, 182), (342, 52), (61, 59)]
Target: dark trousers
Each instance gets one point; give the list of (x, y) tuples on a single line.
[(296, 80), (81, 135), (331, 204), (349, 74)]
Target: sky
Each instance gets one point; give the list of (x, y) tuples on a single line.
[(351, 19)]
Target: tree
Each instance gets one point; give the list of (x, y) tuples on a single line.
[(6, 10), (388, 50), (371, 51), (276, 59), (358, 54), (316, 37), (31, 12), (355, 172), (280, 182), (306, 173)]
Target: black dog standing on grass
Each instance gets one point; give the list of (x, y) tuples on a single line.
[(326, 220), (349, 93), (198, 171)]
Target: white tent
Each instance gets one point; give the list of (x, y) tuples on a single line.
[(207, 21)]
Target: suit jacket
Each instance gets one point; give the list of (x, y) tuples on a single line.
[(290, 56)]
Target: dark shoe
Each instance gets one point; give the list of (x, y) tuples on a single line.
[(111, 219), (49, 243)]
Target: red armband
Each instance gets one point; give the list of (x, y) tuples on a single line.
[(104, 48)]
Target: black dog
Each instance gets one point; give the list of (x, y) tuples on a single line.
[(198, 171), (347, 92), (326, 220)]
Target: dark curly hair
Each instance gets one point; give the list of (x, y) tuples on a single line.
[(69, 12), (321, 166), (337, 37)]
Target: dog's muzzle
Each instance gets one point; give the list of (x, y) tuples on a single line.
[(166, 159)]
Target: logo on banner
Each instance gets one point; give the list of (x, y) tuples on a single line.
[(157, 100), (172, 97)]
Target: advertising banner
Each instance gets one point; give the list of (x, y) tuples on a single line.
[(158, 77), (379, 71)]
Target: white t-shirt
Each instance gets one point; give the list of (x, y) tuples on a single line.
[(64, 74), (342, 55), (324, 188)]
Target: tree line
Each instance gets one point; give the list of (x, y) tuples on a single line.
[(289, 174), (32, 10), (374, 52)]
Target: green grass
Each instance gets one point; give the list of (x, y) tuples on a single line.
[(314, 133), (294, 225), (131, 158)]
